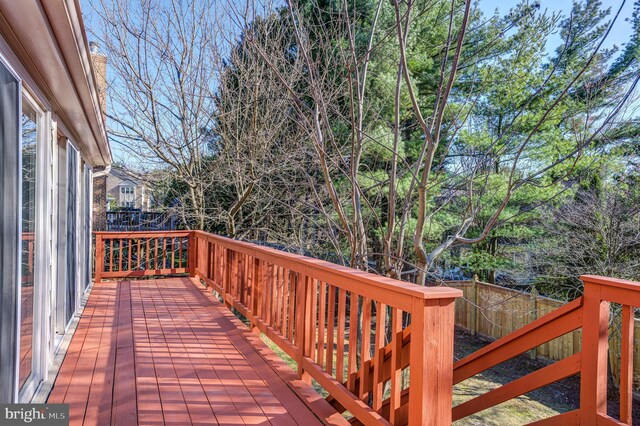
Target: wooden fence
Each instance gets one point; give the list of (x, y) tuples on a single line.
[(493, 312)]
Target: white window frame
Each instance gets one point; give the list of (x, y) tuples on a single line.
[(42, 255), (7, 63)]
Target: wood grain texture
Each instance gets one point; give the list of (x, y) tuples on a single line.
[(166, 352)]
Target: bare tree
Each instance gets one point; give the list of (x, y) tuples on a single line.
[(598, 232), (255, 130), (164, 63)]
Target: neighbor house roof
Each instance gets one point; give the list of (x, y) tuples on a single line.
[(126, 176)]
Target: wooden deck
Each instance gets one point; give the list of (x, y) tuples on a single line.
[(166, 352)]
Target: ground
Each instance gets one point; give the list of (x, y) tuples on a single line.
[(556, 398), (553, 399)]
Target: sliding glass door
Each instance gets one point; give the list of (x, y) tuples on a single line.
[(45, 198), (45, 241), (10, 225), (30, 331), (72, 234)]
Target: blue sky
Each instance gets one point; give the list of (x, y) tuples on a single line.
[(619, 34)]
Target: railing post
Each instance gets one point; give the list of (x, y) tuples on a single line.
[(303, 309), (234, 283), (627, 330), (192, 254), (256, 293), (99, 261), (228, 276), (595, 346), (431, 361)]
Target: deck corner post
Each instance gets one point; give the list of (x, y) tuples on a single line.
[(595, 349), (431, 361), (192, 254), (99, 262)]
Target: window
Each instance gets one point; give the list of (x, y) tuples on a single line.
[(126, 190), (72, 231), (31, 131), (63, 243)]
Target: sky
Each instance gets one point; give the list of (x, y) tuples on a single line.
[(619, 34)]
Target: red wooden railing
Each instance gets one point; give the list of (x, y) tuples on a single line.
[(590, 313), (383, 348), (136, 254), (354, 333)]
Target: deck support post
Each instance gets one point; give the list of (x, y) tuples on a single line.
[(192, 254), (99, 261), (431, 361), (595, 348)]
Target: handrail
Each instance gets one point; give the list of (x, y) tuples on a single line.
[(354, 332), (312, 266), (590, 313)]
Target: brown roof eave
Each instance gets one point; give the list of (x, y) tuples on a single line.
[(49, 40)]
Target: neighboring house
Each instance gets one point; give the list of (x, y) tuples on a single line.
[(52, 140), (127, 191)]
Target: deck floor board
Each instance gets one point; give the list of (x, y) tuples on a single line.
[(165, 352)]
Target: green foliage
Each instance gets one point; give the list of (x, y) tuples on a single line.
[(510, 127)]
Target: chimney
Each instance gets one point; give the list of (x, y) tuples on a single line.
[(100, 72)]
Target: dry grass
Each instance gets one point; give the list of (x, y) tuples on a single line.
[(519, 411)]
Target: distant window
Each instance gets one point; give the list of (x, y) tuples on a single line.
[(126, 189), (128, 204)]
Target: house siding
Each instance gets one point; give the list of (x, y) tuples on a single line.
[(118, 178)]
